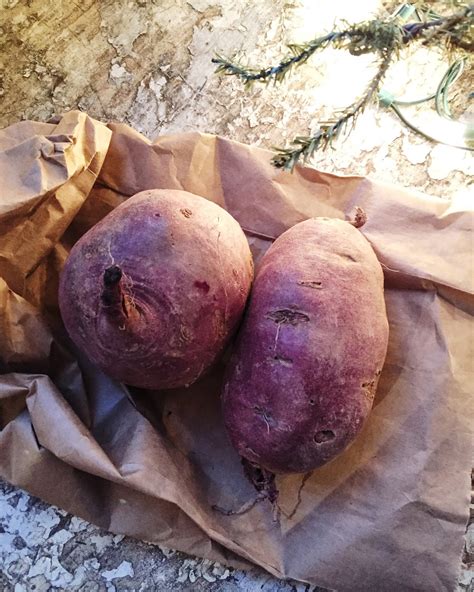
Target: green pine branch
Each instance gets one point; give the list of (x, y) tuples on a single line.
[(385, 38)]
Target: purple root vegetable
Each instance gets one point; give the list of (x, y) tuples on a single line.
[(302, 378), (154, 291)]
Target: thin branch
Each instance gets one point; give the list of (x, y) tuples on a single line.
[(448, 26), (383, 37), (301, 54), (305, 147)]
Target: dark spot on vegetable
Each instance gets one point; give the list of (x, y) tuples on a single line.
[(324, 436), (312, 401), (186, 212), (286, 316), (157, 215), (169, 413), (204, 286), (310, 284)]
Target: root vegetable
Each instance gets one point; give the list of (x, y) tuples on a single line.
[(303, 376), (154, 291)]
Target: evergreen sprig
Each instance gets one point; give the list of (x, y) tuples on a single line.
[(300, 54), (304, 147), (382, 37)]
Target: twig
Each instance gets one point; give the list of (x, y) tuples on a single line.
[(301, 54), (383, 37), (305, 147)]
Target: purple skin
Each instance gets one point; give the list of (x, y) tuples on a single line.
[(303, 376), (154, 291)]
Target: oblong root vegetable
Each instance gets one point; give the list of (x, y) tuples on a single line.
[(154, 291), (303, 375)]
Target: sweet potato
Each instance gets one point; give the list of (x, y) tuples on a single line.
[(303, 375), (154, 291)]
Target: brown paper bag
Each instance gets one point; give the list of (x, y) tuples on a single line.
[(388, 514)]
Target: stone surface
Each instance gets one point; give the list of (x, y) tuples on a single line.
[(43, 548), (147, 63)]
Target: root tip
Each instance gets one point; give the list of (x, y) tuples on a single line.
[(360, 218), (112, 275)]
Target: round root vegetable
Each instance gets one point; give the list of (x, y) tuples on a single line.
[(303, 376), (154, 291)]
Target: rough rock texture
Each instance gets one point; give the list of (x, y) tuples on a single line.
[(43, 549), (147, 63)]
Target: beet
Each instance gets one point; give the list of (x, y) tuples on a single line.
[(154, 291), (303, 375)]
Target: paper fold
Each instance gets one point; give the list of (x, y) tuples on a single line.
[(389, 514)]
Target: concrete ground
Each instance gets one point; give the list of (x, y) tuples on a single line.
[(147, 63)]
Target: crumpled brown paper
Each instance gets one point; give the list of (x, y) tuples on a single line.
[(388, 515)]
